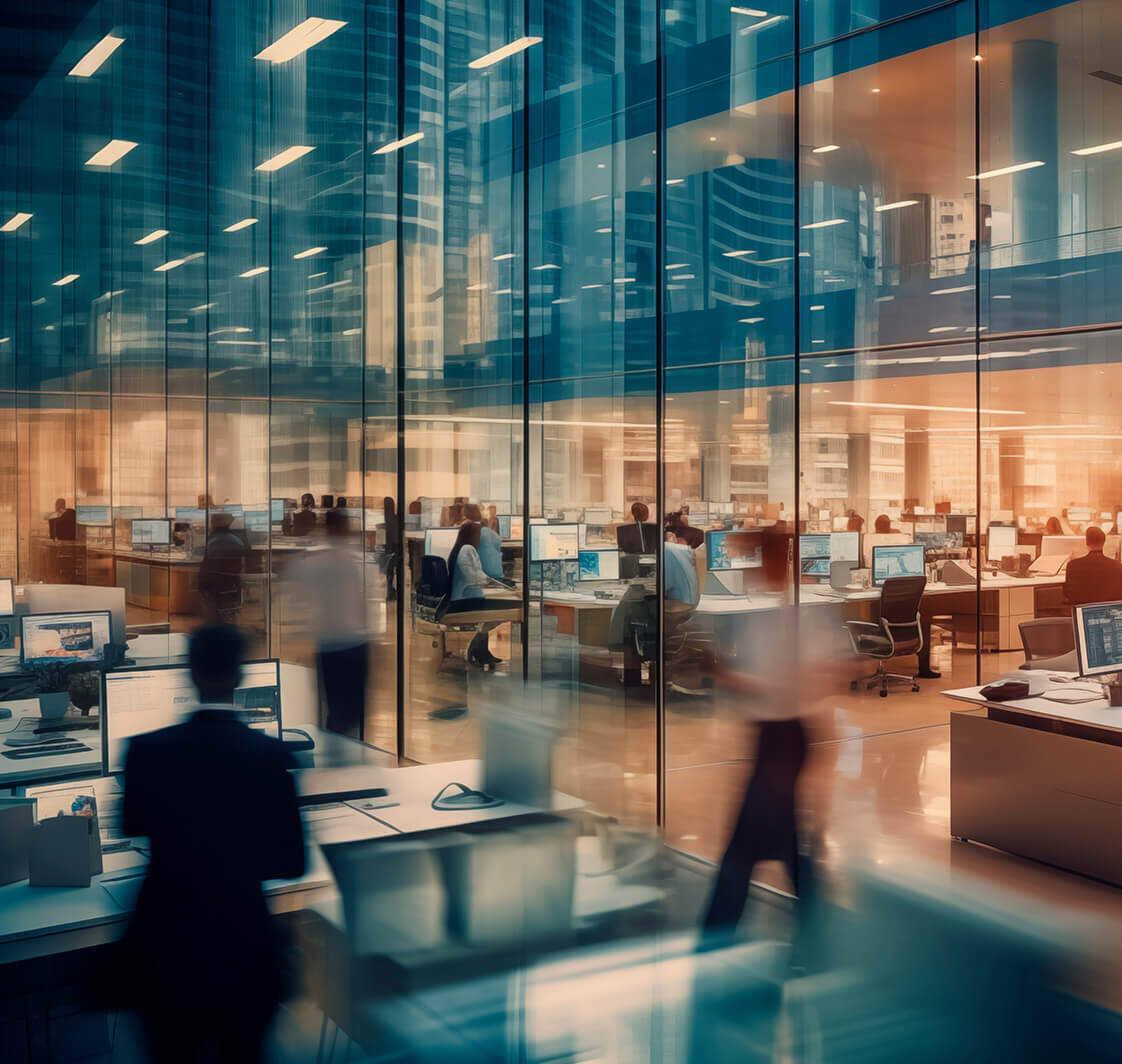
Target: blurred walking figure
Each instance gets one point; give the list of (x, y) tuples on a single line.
[(221, 571), (392, 547), (327, 589), (202, 957)]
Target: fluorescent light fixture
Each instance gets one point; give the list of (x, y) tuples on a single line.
[(169, 265), (825, 148), (773, 21), (1002, 171), (677, 265), (245, 223), (589, 287), (255, 271), (675, 180), (480, 287), (952, 291), (895, 206), (499, 54), (557, 301), (16, 220), (39, 302), (111, 153), (299, 39), (826, 224), (503, 257), (351, 332), (917, 406), (97, 55), (502, 292), (152, 237), (818, 306), (943, 329), (750, 321), (283, 158), (751, 12), (738, 254), (394, 145), (307, 253), (547, 266), (604, 229), (624, 280), (70, 278), (203, 306), (1098, 149)]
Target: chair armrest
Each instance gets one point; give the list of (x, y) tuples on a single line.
[(863, 628)]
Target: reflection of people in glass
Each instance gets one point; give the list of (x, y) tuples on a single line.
[(493, 518), (392, 547), (64, 524), (490, 545), (855, 523), (468, 579), (304, 520), (220, 574)]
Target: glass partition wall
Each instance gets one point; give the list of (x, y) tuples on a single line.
[(617, 280)]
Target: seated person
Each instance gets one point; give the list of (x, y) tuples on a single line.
[(1095, 577), (883, 524), (64, 524), (468, 579), (684, 532), (636, 538), (855, 523), (490, 545), (303, 522)]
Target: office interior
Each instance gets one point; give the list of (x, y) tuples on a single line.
[(785, 273)]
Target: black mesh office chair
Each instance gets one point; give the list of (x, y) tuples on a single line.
[(898, 633)]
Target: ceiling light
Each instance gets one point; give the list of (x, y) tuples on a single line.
[(943, 329), (283, 158), (547, 266), (896, 206), (952, 291), (587, 287), (875, 91), (299, 39), (394, 145), (203, 306), (751, 12), (739, 254), (773, 21), (476, 287), (605, 229), (624, 280), (1016, 168), (677, 266), (1098, 149), (245, 223), (818, 306), (750, 321), (503, 257), (499, 54), (918, 406), (97, 55), (152, 237), (307, 253), (826, 224), (114, 150), (255, 271), (825, 148), (977, 59), (16, 220), (170, 265), (68, 279), (675, 180)]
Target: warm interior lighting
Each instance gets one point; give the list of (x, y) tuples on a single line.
[(503, 257), (1098, 149), (245, 223), (919, 406), (70, 278), (97, 55), (1014, 169), (16, 220), (111, 153), (826, 224), (299, 39), (152, 237), (395, 145), (739, 254), (499, 54), (977, 59), (255, 271), (169, 265), (751, 12), (283, 158), (825, 148), (307, 253), (896, 206)]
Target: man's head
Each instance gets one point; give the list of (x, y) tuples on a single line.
[(883, 523), (308, 500), (337, 523), (215, 655), (472, 512), (1096, 538), (640, 511), (60, 506)]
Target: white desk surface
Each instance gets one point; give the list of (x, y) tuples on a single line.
[(1099, 713), (51, 765)]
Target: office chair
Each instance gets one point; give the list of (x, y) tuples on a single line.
[(1049, 643), (899, 631), (635, 538)]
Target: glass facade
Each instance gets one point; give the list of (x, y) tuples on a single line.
[(790, 269)]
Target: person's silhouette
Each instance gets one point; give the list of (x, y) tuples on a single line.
[(202, 956)]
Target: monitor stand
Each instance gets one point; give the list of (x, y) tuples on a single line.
[(721, 583)]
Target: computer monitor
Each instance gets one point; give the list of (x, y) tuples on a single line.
[(551, 543), (938, 540), (276, 510), (516, 530), (1001, 541), (504, 526), (1051, 546), (7, 597), (141, 700), (79, 598), (151, 532), (191, 514), (1098, 638), (845, 547), (1081, 515), (814, 556), (897, 559), (599, 517), (963, 524), (92, 515), (598, 565), (234, 511), (49, 638), (257, 521), (725, 551), (440, 541)]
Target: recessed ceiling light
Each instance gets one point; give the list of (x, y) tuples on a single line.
[(825, 148), (70, 278), (283, 158), (245, 223), (395, 145), (895, 206), (97, 55), (499, 54), (16, 220), (299, 39), (255, 272), (1014, 169), (152, 237), (169, 265), (307, 253), (826, 224), (111, 153), (1098, 149)]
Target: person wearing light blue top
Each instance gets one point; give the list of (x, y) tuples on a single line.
[(679, 577), (490, 545)]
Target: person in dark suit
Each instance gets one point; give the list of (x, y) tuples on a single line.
[(303, 522), (1095, 577), (64, 524), (202, 958)]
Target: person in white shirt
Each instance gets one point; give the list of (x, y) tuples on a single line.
[(328, 587), (468, 579)]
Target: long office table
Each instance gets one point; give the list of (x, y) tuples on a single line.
[(1040, 779)]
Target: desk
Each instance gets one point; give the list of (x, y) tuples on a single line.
[(1040, 779)]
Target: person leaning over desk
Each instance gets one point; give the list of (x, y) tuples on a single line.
[(1094, 577), (202, 960)]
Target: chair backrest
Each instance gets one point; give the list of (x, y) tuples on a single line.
[(1047, 637), (434, 583), (633, 538), (899, 599)]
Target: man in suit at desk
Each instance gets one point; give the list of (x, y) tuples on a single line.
[(1094, 577), (203, 961), (64, 524)]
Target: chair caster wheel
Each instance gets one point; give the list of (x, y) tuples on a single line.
[(915, 688), (883, 693), (435, 644), (853, 685)]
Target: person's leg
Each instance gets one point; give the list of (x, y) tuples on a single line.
[(241, 1034), (344, 675), (730, 887)]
